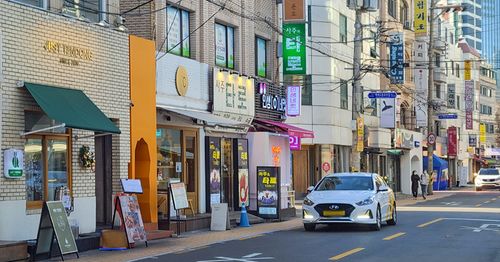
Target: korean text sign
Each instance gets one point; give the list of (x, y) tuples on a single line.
[(294, 49), (268, 194)]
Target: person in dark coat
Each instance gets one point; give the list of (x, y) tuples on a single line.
[(414, 184)]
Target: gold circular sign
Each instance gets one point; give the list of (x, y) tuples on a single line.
[(181, 81)]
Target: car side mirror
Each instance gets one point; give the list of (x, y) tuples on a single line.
[(382, 189), (310, 189)]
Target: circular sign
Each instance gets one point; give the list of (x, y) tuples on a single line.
[(431, 139), (181, 81), (326, 167)]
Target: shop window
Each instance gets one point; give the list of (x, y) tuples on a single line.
[(83, 9), (169, 157), (261, 55), (37, 3), (177, 28), (224, 46), (392, 7), (344, 96)]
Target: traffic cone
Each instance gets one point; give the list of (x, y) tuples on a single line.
[(244, 217)]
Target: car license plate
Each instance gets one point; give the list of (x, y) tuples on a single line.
[(334, 213)]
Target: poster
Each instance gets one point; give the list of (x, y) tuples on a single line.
[(132, 219), (294, 49), (388, 113), (214, 167), (174, 27), (397, 69), (243, 187), (268, 192), (13, 163), (261, 57), (452, 141), (220, 45), (293, 103), (420, 16), (469, 103)]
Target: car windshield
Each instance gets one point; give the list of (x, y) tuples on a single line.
[(489, 171), (345, 183)]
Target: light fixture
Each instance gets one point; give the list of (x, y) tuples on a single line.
[(119, 23)]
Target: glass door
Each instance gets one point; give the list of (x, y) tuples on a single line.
[(189, 175), (227, 172)]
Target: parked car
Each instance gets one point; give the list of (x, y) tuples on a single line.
[(487, 178), (360, 198)]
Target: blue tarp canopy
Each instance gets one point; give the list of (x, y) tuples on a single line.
[(438, 165)]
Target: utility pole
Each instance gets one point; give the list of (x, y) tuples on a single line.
[(430, 89), (356, 85)]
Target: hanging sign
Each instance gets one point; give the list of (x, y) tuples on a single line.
[(294, 96), (271, 102), (268, 192), (295, 143), (388, 113), (452, 141), (13, 163), (469, 103), (482, 133), (420, 16), (360, 127), (397, 70), (467, 69), (293, 11), (294, 49)]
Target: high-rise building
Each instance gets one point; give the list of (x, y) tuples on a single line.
[(471, 23), (490, 27)]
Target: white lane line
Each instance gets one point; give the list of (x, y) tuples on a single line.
[(472, 219)]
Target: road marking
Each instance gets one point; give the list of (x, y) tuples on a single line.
[(250, 237), (472, 219), (190, 249), (394, 236), (478, 205), (493, 199), (345, 254), (430, 222), (453, 203), (441, 209), (248, 258), (484, 227), (487, 202)]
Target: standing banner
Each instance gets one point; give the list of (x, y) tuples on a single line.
[(242, 165), (397, 69), (214, 170), (482, 133), (293, 100), (294, 49), (293, 11), (420, 16), (268, 192), (467, 69), (469, 103), (452, 141), (388, 113), (360, 126)]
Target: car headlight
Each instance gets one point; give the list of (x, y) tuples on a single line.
[(308, 202), (477, 181), (365, 202)]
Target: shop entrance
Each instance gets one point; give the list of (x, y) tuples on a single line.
[(190, 172), (227, 180), (103, 177), (301, 172)]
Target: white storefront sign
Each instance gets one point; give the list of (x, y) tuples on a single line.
[(421, 78), (233, 96), (294, 94), (388, 113), (13, 163)]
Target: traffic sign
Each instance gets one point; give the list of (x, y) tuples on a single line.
[(447, 116), (382, 95), (431, 139)]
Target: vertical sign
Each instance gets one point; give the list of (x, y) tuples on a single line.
[(388, 113), (451, 95), (420, 16), (452, 141), (293, 103), (421, 74), (469, 103), (472, 140), (294, 49), (293, 11), (397, 69), (268, 186), (214, 166), (242, 164), (295, 143), (360, 134), (467, 69), (482, 133)]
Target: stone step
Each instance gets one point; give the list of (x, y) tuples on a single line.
[(13, 251)]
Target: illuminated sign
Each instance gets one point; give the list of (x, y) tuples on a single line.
[(272, 102)]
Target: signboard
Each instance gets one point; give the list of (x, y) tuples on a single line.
[(294, 49), (179, 195), (295, 143), (397, 70), (404, 139), (489, 151), (13, 163), (269, 101), (472, 140), (469, 103), (54, 222), (360, 139), (220, 45), (447, 116), (268, 192), (388, 113), (233, 96), (293, 11), (293, 100), (242, 165), (421, 80), (132, 218), (375, 95), (131, 186), (431, 139), (219, 217), (451, 95), (420, 16), (452, 141), (326, 167), (482, 133), (214, 169), (467, 69)]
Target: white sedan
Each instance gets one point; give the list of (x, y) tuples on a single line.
[(362, 198)]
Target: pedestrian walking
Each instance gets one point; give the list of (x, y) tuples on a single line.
[(424, 182), (414, 184)]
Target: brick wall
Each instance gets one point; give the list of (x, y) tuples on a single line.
[(105, 80)]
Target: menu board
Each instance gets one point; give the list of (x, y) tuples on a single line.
[(179, 195), (242, 164), (268, 192), (214, 169), (131, 213)]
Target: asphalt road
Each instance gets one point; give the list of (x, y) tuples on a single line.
[(435, 230)]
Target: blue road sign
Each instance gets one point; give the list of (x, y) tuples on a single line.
[(382, 95), (447, 116)]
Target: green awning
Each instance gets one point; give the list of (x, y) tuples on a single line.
[(71, 107)]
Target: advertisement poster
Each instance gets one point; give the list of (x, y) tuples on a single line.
[(420, 16), (220, 45), (268, 192), (132, 218), (388, 113), (243, 187), (293, 103), (469, 103), (397, 70), (214, 169), (452, 141), (174, 35), (13, 163), (261, 57), (294, 49)]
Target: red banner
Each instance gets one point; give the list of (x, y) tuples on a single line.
[(452, 141)]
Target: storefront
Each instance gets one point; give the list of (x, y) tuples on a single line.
[(409, 157), (67, 117)]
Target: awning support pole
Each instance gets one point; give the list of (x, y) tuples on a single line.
[(42, 130), (98, 135)]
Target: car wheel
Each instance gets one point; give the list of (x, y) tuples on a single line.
[(378, 225), (394, 218), (309, 227), (478, 189)]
